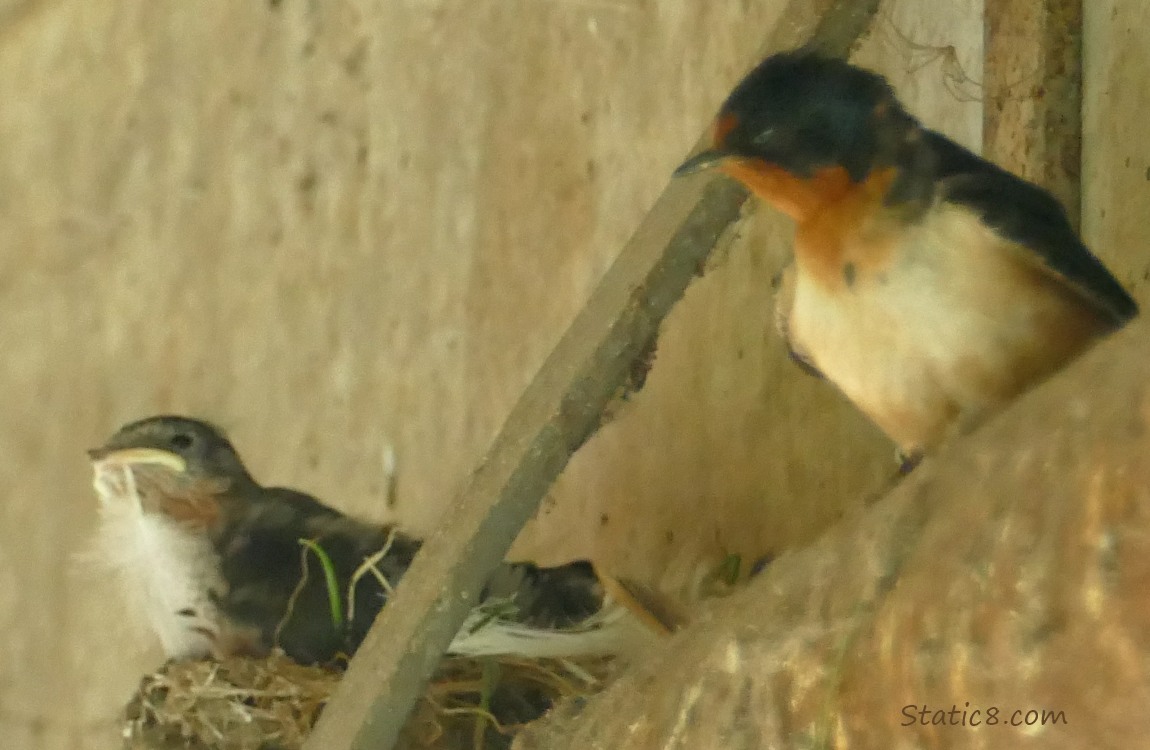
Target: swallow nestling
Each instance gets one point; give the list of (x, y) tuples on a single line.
[(929, 285), (214, 562)]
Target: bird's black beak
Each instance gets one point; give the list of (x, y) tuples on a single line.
[(703, 160), (96, 454)]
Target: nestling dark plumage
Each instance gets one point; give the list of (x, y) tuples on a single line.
[(928, 284), (213, 560)]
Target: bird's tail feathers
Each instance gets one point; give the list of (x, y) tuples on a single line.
[(491, 630)]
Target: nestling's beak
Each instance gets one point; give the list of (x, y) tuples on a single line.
[(703, 160), (138, 456)]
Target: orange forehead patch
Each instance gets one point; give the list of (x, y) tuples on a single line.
[(724, 124)]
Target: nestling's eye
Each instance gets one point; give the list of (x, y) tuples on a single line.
[(181, 441)]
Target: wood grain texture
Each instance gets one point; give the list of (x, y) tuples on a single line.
[(602, 358), (1006, 576), (338, 227), (1033, 92), (730, 448), (1116, 155)]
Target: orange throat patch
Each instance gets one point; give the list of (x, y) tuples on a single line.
[(797, 197), (840, 225)]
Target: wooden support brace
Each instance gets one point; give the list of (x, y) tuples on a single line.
[(602, 356), (1032, 117)]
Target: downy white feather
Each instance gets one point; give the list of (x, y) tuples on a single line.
[(163, 571)]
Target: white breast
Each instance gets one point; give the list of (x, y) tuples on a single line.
[(948, 331)]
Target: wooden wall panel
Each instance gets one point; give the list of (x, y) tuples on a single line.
[(729, 448), (1115, 150), (336, 228)]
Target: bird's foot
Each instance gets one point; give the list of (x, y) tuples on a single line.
[(908, 460)]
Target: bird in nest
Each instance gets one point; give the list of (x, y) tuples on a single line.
[(216, 564)]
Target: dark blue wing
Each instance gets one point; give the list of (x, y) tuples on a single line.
[(1030, 216)]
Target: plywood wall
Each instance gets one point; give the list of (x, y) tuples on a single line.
[(1116, 151), (339, 228), (730, 448)]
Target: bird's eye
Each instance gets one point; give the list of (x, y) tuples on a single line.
[(181, 441), (764, 136)]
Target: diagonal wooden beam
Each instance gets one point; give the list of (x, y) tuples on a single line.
[(601, 357)]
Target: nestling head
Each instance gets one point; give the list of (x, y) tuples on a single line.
[(184, 446)]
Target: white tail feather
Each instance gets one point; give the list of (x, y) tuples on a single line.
[(611, 630)]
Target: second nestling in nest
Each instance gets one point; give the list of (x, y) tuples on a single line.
[(259, 595)]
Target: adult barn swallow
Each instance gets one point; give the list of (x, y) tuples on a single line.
[(928, 284), (214, 562)]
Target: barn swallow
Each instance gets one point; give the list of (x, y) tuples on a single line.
[(928, 284), (214, 561)]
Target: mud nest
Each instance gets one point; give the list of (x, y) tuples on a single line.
[(272, 703)]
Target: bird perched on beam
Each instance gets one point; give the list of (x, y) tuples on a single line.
[(219, 565), (929, 285)]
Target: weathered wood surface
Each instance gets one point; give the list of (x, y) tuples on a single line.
[(337, 227), (1115, 153), (603, 357), (1033, 93), (1005, 577), (1008, 574)]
